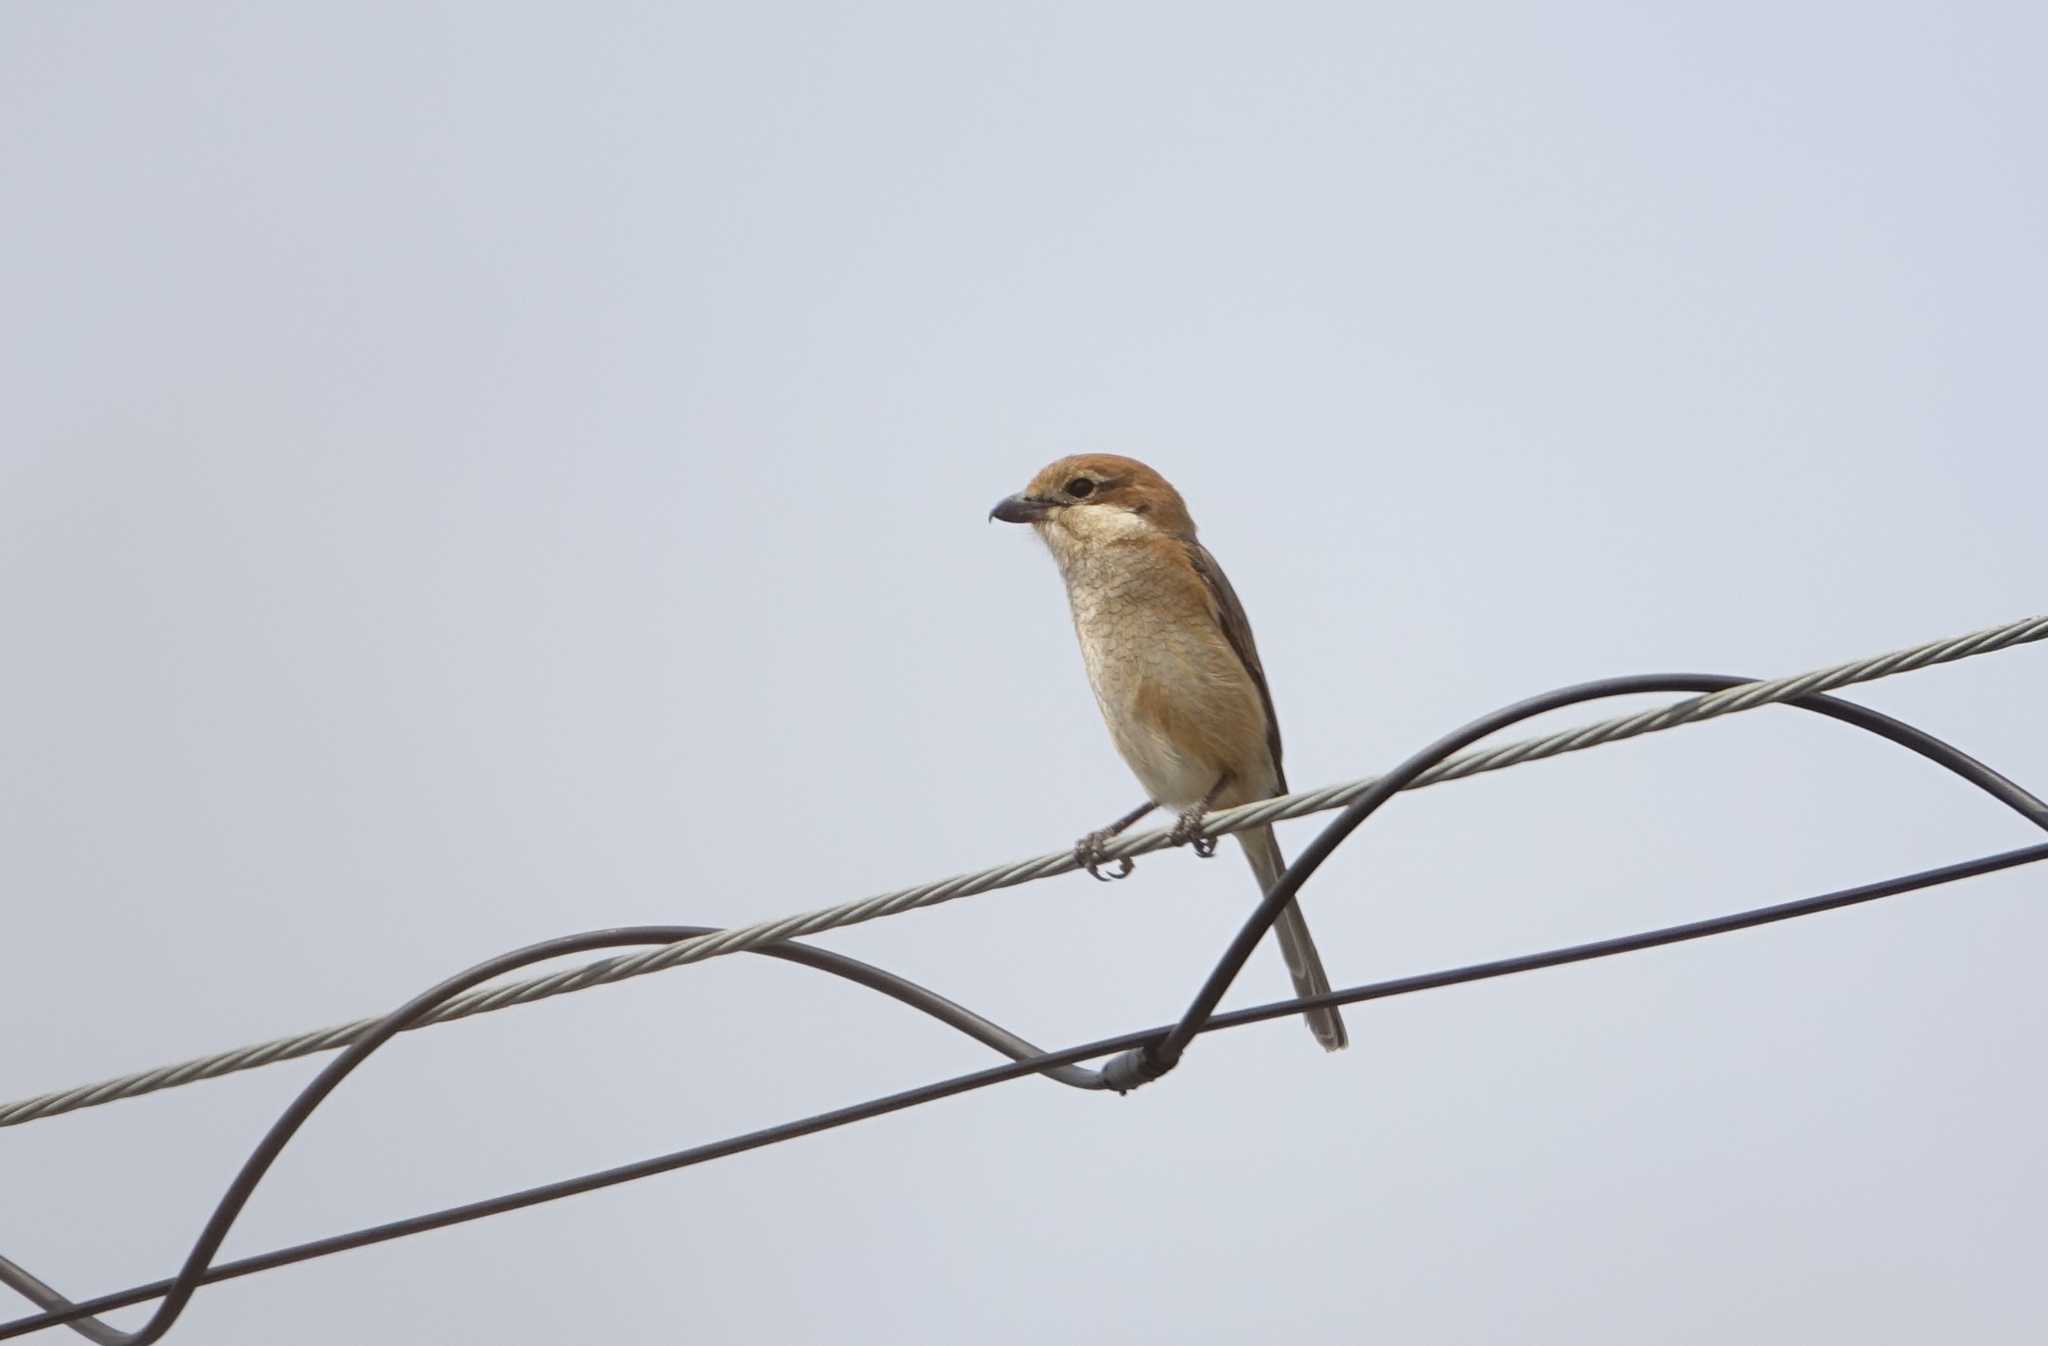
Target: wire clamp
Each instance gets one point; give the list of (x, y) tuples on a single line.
[(1133, 1069)]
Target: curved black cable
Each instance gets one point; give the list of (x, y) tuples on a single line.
[(1135, 1066), (1143, 1065), (1943, 754), (851, 969), (960, 1084), (921, 998)]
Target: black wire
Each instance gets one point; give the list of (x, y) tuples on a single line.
[(960, 1084), (838, 964), (1151, 1045), (949, 1012), (1141, 1066)]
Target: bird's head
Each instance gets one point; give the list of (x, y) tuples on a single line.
[(1097, 497)]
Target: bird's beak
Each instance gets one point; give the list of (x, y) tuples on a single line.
[(1021, 509)]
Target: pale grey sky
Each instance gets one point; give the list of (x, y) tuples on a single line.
[(474, 472)]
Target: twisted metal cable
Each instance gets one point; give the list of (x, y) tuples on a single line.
[(1146, 1055), (740, 938), (199, 1268)]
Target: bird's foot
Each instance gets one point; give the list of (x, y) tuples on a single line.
[(1088, 853), (1188, 831)]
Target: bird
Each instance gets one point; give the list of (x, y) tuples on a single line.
[(1174, 669)]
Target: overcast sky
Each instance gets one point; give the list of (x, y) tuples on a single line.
[(475, 472)]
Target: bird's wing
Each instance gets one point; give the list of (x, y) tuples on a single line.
[(1237, 629)]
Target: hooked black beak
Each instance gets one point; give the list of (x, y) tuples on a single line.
[(1021, 509)]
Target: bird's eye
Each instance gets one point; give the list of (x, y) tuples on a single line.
[(1080, 488)]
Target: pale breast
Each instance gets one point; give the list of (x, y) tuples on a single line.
[(1179, 704)]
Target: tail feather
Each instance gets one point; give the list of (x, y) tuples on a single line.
[(1304, 964)]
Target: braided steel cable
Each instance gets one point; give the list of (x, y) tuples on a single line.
[(1746, 696), (1146, 1055), (196, 1272)]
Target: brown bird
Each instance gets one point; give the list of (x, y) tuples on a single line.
[(1170, 655)]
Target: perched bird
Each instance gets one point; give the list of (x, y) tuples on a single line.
[(1169, 653)]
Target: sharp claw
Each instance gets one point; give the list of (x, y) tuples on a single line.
[(1088, 854), (1189, 832)]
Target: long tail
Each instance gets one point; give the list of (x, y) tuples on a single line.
[(1304, 964)]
